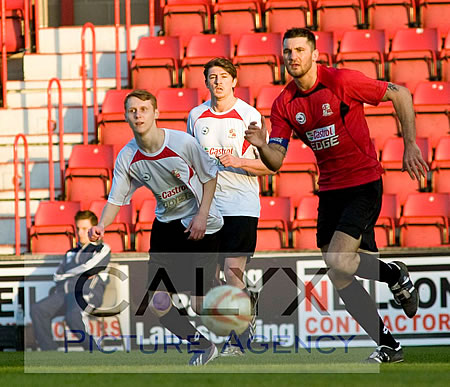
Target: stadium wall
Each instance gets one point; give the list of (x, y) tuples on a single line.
[(298, 305)]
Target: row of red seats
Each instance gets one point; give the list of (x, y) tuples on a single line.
[(92, 165), (431, 103), (415, 55), (423, 223), (185, 18)]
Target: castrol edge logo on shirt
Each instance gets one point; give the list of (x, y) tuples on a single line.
[(322, 138), (174, 196), (218, 151)]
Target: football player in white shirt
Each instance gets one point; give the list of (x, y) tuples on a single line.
[(184, 234), (219, 125)]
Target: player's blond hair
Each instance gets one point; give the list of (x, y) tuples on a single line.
[(143, 95)]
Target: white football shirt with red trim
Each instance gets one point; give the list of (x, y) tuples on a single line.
[(174, 174), (219, 133)]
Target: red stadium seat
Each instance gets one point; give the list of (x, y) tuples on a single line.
[(435, 14), (112, 127), (390, 15), (156, 62), (89, 173), (184, 18), (54, 227), (424, 222), (281, 15), (445, 60), (201, 49), (432, 105), (144, 225), (237, 17), (383, 123), (174, 106), (265, 98), (441, 166), (245, 94), (398, 182), (298, 174), (14, 18), (139, 196), (117, 234), (387, 220), (413, 56), (304, 228), (274, 222), (339, 15), (363, 50), (258, 60), (325, 43)]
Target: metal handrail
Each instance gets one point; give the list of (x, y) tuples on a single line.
[(117, 27), (84, 76), (16, 191), (50, 125), (4, 62), (36, 24), (151, 16)]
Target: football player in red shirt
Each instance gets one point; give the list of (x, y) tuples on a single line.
[(325, 108)]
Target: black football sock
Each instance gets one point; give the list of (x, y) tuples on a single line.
[(364, 310), (370, 267), (181, 327)]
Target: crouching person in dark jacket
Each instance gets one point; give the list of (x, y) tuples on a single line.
[(80, 283)]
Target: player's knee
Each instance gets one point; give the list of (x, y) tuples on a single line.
[(339, 262), (233, 276), (160, 303)]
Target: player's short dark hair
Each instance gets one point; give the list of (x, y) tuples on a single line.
[(81, 215), (225, 63), (301, 33), (143, 95)]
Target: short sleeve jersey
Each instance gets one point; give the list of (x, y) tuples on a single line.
[(329, 118), (174, 174), (219, 133)]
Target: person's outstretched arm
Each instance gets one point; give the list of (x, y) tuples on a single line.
[(413, 161), (109, 213), (272, 155)]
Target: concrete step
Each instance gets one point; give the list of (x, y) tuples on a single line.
[(39, 175), (7, 208), (68, 39), (36, 152), (9, 249), (35, 194), (38, 98), (66, 84), (9, 238), (34, 120), (68, 66)]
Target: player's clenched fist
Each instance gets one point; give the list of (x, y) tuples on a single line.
[(255, 135), (96, 232)]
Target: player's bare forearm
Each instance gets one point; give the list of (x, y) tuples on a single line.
[(108, 214), (254, 166), (272, 155), (401, 98), (209, 188)]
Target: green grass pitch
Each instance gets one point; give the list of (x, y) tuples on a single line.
[(424, 366)]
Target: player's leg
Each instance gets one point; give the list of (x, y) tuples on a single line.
[(77, 320), (237, 246), (344, 215), (42, 314), (174, 272)]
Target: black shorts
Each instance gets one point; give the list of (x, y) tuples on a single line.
[(178, 264), (353, 211), (237, 237)]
